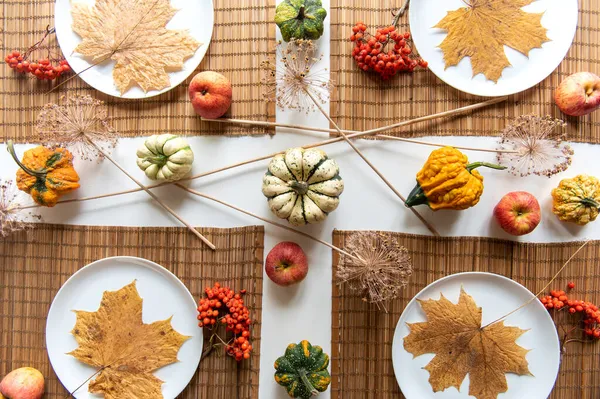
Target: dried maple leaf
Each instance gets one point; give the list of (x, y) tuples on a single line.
[(453, 332), (134, 34), (484, 27), (115, 339)]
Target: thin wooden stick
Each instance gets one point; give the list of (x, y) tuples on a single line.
[(151, 194), (543, 289), (354, 133), (364, 158), (317, 144), (303, 234)]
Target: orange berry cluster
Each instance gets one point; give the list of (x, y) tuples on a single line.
[(558, 300), (235, 316), (42, 69), (372, 53)]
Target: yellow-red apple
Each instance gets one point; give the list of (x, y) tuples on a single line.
[(578, 94), (518, 213), (210, 94), (23, 383), (286, 264)]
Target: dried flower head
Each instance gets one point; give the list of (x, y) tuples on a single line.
[(13, 217), (538, 146), (76, 123), (380, 266), (295, 73)]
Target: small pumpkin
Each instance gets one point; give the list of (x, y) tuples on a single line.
[(577, 200), (45, 174), (165, 157), (448, 181), (300, 19), (303, 370), (302, 186)]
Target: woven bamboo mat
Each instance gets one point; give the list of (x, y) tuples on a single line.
[(362, 335), (35, 264), (243, 36), (362, 101)]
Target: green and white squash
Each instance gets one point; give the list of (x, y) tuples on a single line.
[(303, 370), (302, 186), (300, 19), (165, 157)]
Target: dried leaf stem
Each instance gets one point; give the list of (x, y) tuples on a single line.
[(303, 234), (154, 196), (364, 158), (543, 289), (317, 144)]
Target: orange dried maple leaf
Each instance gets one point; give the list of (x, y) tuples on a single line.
[(134, 34), (484, 27), (453, 332), (116, 340)]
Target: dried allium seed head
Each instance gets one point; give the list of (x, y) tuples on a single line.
[(287, 80), (76, 123), (538, 145), (12, 217), (383, 270)]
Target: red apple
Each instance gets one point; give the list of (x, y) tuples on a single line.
[(518, 213), (23, 383), (210, 94), (286, 264), (578, 94)]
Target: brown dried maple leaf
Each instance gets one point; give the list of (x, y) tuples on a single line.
[(134, 34), (484, 27), (115, 339), (453, 332)]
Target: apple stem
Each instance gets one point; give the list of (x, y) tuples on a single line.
[(475, 165)]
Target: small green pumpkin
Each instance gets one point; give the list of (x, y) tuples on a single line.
[(303, 370), (300, 19)]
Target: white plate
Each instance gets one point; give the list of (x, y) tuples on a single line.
[(163, 295), (195, 15), (560, 18), (496, 295)]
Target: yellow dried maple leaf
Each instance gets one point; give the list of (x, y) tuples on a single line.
[(115, 339), (134, 34), (453, 333), (484, 27)]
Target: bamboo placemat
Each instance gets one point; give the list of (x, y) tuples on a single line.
[(35, 264), (243, 36), (362, 101), (362, 335)]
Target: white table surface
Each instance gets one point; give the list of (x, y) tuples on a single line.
[(291, 314)]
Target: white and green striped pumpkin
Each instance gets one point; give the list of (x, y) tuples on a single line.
[(302, 186), (165, 157), (300, 19)]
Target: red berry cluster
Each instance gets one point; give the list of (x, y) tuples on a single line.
[(42, 69), (235, 316), (558, 300), (387, 52)]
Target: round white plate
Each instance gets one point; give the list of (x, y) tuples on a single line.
[(195, 15), (164, 295), (560, 18), (496, 295)]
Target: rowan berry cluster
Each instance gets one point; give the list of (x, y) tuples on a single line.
[(558, 300), (42, 69), (221, 305), (386, 53)]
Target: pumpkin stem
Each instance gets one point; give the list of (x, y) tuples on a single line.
[(475, 165), (590, 202), (416, 197), (313, 391), (300, 13), (299, 187), (10, 147)]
